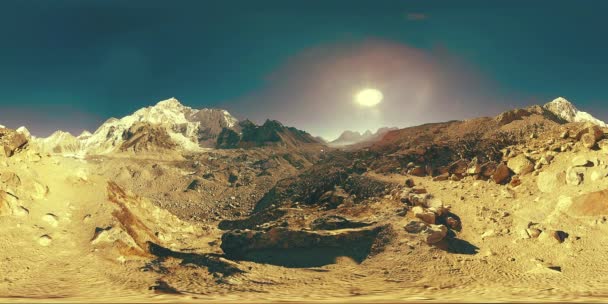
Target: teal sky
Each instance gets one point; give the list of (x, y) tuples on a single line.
[(68, 64)]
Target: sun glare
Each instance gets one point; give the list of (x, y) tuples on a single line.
[(369, 97)]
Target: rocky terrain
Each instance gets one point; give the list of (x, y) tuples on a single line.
[(505, 208)]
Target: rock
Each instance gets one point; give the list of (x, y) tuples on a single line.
[(38, 191), (564, 134), (502, 173), (281, 243), (488, 169), (409, 183), (515, 181), (575, 176), (442, 177), (416, 226), (458, 167), (419, 190), (417, 171), (581, 161), (435, 233), (520, 165), (559, 235), (453, 223), (11, 141), (598, 173), (334, 222), (425, 215), (534, 232), (51, 219), (418, 199), (548, 182), (10, 179), (45, 240), (588, 141), (334, 198)]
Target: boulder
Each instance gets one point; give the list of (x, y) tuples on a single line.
[(281, 245), (520, 165), (575, 175), (11, 141), (435, 233), (426, 215), (588, 141), (502, 174)]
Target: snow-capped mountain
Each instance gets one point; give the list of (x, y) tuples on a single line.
[(60, 142), (187, 128), (565, 110)]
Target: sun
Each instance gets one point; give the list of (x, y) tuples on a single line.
[(369, 97)]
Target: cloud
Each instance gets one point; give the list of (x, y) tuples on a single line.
[(416, 16), (314, 89)]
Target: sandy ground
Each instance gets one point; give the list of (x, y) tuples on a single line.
[(47, 253)]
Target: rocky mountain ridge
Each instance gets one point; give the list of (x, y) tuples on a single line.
[(171, 125)]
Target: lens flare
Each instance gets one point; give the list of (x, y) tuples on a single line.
[(369, 97)]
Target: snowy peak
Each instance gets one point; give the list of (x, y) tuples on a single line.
[(181, 127), (565, 110)]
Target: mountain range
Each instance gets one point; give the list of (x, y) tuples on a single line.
[(170, 125)]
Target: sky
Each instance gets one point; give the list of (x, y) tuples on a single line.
[(72, 64)]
